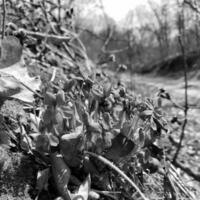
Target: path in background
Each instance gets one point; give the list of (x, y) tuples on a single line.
[(148, 85)]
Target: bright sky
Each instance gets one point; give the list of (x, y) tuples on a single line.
[(118, 9)]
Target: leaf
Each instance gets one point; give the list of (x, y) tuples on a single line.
[(108, 136), (116, 111), (126, 128), (11, 51), (147, 113), (107, 122), (47, 115), (69, 83), (153, 124), (83, 191), (141, 137), (121, 147), (94, 195), (14, 77), (49, 99), (60, 98), (153, 165), (4, 138), (97, 91), (25, 140), (42, 179), (107, 88), (53, 140), (24, 143), (58, 116), (70, 145), (88, 165), (85, 188), (42, 143), (61, 174), (92, 126)]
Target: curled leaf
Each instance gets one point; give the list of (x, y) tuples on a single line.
[(53, 140), (49, 99), (121, 147), (42, 179), (61, 175), (97, 91), (70, 146), (58, 117), (60, 98)]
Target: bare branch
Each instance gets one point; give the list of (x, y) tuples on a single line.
[(182, 46), (192, 5), (4, 18)]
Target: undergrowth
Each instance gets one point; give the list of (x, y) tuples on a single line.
[(88, 135)]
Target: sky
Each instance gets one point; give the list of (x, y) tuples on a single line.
[(117, 9)]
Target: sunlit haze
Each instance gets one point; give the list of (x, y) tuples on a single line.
[(117, 9)]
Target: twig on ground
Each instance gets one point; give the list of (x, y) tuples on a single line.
[(62, 55), (187, 170), (177, 179), (111, 165)]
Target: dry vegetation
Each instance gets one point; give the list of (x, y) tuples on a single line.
[(71, 129)]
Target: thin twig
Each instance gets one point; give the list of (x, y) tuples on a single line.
[(188, 171), (178, 181), (110, 34), (111, 165), (182, 46), (59, 11), (4, 18), (109, 194), (68, 51)]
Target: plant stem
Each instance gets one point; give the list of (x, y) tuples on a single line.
[(4, 18), (59, 11), (115, 168), (182, 46)]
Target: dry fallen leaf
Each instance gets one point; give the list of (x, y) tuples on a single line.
[(14, 78)]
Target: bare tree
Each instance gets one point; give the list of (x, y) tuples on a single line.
[(163, 28)]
